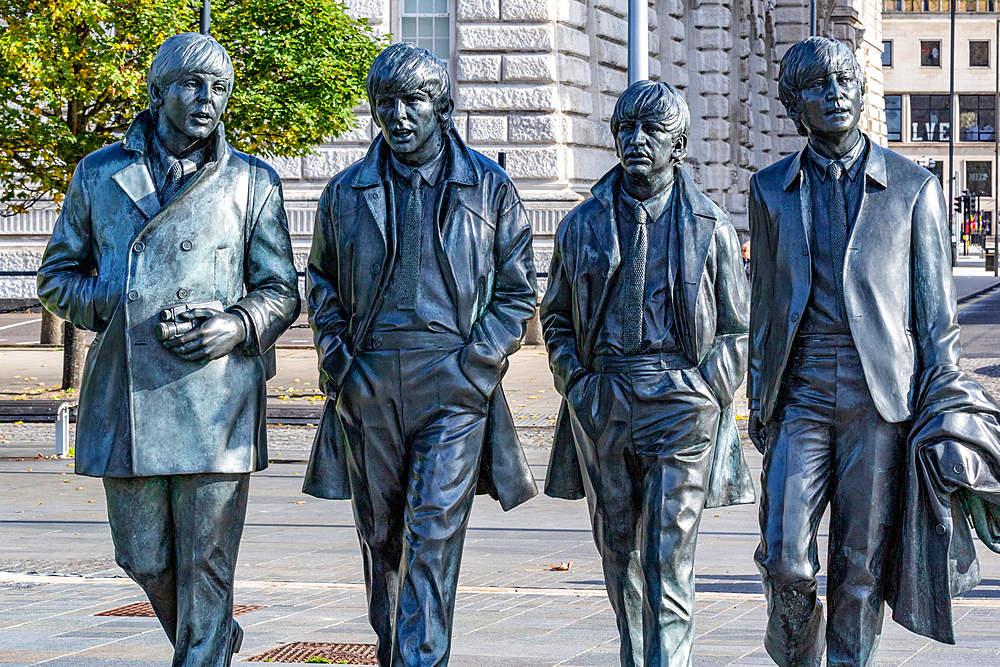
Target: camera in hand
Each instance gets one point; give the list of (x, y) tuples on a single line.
[(171, 327)]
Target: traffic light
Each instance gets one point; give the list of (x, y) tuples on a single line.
[(958, 203)]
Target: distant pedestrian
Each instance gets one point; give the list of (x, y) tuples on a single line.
[(745, 251)]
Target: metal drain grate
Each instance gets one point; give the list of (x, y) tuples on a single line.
[(350, 654), (145, 610)]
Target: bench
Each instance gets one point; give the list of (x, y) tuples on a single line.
[(61, 413)]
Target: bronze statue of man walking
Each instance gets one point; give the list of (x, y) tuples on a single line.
[(174, 248), (645, 319), (421, 282), (853, 314)]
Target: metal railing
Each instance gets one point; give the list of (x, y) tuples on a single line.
[(939, 6)]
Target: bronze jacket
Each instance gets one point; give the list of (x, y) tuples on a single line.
[(490, 276), (898, 285), (712, 303), (116, 259)]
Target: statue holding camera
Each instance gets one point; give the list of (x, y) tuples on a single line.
[(174, 248)]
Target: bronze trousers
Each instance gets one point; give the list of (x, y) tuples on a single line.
[(827, 445), (178, 537), (414, 426), (645, 435)]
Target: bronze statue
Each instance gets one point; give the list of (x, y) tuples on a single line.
[(420, 284), (854, 340), (646, 320), (174, 248)]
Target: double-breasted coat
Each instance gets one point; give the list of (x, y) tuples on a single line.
[(489, 271), (712, 312), (117, 258)]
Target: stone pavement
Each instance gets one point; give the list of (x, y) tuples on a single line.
[(300, 558)]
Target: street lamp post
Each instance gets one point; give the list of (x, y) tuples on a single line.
[(996, 163), (638, 41), (951, 138), (206, 16)]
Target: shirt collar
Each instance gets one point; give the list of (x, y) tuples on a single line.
[(429, 171), (851, 161), (654, 206), (163, 159)]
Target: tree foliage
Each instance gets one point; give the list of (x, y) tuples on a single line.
[(73, 72)]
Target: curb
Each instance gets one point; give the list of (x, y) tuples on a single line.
[(978, 293)]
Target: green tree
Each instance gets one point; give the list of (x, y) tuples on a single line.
[(72, 77)]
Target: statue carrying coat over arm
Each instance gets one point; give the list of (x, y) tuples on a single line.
[(173, 247)]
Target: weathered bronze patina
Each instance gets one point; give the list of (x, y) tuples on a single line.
[(645, 319), (173, 226)]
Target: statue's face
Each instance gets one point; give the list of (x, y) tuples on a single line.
[(647, 148), (193, 104), (410, 125), (831, 104)]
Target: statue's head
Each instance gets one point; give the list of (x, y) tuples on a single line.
[(189, 84), (410, 96), (822, 87), (650, 125)]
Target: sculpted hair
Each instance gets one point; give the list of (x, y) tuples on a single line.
[(187, 52), (810, 59), (652, 99), (405, 67)]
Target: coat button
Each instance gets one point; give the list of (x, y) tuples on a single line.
[(133, 295), (941, 530), (795, 317), (805, 252), (376, 342), (186, 245), (376, 267), (183, 293), (959, 468), (138, 246)]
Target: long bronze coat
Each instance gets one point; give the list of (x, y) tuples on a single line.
[(712, 300), (116, 259), (490, 274)]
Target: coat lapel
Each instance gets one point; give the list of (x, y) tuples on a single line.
[(875, 175), (136, 181), (369, 181), (604, 226), (696, 219)]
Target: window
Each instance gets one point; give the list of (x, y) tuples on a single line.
[(930, 53), (976, 117), (979, 54), (887, 53), (894, 117), (427, 24), (930, 118), (977, 178)]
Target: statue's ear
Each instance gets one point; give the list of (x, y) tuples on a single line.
[(679, 149), (155, 97), (444, 113)]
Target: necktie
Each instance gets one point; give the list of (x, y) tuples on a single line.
[(635, 285), (172, 185), (838, 230), (410, 246)]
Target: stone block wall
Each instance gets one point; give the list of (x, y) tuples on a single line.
[(538, 80)]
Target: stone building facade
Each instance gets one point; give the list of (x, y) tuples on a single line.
[(538, 79)]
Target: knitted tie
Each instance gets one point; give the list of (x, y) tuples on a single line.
[(635, 285), (410, 246), (173, 183), (838, 230)]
